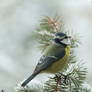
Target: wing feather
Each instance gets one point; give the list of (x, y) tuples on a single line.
[(47, 60)]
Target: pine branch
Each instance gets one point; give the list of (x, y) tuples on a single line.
[(75, 74), (47, 29)]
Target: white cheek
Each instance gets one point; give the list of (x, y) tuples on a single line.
[(66, 41)]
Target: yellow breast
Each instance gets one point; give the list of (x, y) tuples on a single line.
[(61, 64)]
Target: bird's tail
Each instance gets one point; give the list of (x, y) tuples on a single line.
[(29, 79)]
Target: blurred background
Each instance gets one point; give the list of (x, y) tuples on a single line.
[(18, 48)]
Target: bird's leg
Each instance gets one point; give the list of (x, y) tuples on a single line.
[(65, 77), (58, 77)]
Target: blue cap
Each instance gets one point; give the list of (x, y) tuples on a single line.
[(60, 34)]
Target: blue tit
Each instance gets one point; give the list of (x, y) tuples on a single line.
[(55, 57)]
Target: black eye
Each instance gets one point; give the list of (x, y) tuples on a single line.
[(66, 37)]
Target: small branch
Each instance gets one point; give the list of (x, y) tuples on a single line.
[(57, 82), (53, 22), (56, 86)]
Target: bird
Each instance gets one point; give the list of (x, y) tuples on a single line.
[(55, 57)]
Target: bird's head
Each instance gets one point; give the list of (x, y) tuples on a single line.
[(62, 38)]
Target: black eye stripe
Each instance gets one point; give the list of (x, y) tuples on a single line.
[(66, 37)]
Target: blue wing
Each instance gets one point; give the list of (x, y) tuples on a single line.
[(47, 61)]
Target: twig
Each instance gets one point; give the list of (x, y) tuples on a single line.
[(53, 22), (57, 82)]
